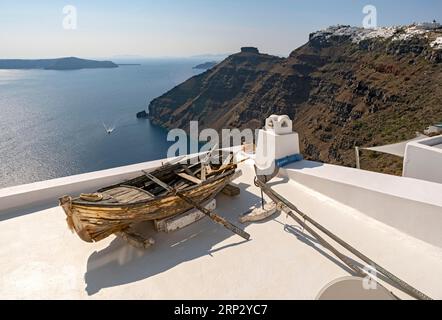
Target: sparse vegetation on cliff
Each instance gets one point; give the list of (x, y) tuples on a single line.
[(346, 87)]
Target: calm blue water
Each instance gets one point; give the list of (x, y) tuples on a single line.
[(52, 121)]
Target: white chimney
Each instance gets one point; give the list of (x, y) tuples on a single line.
[(277, 145)]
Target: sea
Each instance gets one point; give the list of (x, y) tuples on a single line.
[(55, 123)]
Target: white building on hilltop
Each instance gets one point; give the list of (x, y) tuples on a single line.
[(436, 129), (429, 25)]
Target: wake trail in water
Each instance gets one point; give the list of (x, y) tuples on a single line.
[(121, 122)]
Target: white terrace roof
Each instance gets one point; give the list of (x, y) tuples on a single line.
[(40, 258), (396, 149)]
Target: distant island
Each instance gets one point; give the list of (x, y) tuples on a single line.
[(70, 63), (206, 65)]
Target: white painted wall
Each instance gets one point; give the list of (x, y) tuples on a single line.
[(275, 142), (423, 160), (48, 192), (409, 205)]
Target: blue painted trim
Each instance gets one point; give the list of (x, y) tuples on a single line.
[(289, 159)]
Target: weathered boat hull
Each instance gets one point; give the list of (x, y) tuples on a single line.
[(94, 222)]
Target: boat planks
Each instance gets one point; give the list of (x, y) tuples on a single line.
[(94, 222)]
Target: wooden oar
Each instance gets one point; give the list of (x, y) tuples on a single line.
[(212, 215)]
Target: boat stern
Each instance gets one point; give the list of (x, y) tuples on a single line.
[(74, 225)]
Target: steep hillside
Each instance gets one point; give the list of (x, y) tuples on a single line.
[(212, 96), (347, 86)]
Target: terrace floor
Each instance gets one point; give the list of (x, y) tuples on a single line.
[(41, 259)]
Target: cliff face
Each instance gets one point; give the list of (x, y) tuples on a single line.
[(206, 65), (346, 87), (212, 97)]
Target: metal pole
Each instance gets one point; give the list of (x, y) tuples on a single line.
[(288, 206), (358, 161)]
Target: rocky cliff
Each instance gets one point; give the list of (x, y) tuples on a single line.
[(347, 86)]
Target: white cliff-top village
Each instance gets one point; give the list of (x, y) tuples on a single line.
[(399, 33)]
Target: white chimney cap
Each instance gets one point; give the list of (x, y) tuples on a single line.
[(279, 124)]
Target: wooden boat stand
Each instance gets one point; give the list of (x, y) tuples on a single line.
[(212, 215)]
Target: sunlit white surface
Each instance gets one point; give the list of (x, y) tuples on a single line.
[(40, 258)]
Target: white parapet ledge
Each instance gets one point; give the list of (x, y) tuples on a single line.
[(28, 195), (402, 187), (49, 191), (411, 205), (423, 159)]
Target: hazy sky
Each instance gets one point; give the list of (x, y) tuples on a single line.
[(153, 28)]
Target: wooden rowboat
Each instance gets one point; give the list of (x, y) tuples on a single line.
[(167, 191)]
